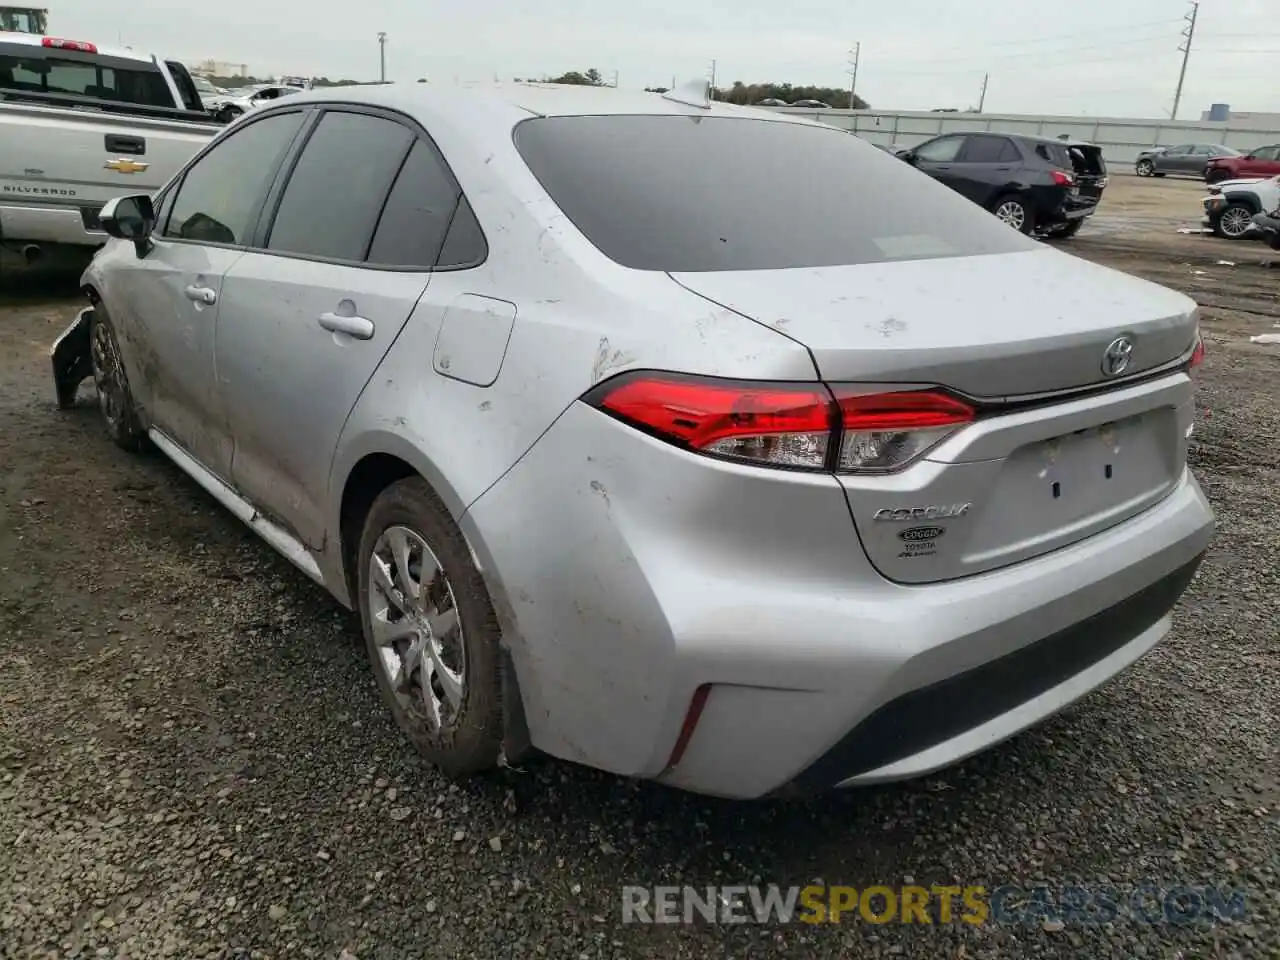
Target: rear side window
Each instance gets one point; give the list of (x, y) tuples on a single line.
[(220, 196), (416, 216), (989, 150), (1056, 154), (336, 192), (687, 194), (25, 69)]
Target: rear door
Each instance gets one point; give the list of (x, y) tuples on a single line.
[(986, 165), (307, 317)]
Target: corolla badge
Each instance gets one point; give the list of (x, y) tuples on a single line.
[(1115, 359), (931, 512)]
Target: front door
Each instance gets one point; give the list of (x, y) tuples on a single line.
[(172, 295), (937, 158), (306, 320)]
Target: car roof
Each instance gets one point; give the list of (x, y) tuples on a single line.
[(35, 40), (531, 99)]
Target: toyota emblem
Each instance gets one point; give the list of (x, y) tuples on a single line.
[(1115, 360)]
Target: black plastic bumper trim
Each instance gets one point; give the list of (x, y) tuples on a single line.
[(930, 715)]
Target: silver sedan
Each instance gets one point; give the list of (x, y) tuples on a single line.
[(626, 456)]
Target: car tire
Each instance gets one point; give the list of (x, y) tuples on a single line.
[(111, 384), (1216, 176), (1066, 231), (1012, 208), (445, 637), (228, 114), (1234, 221), (1144, 168)]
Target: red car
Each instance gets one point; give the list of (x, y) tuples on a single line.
[(1261, 162)]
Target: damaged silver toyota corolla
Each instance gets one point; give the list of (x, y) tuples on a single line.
[(625, 456)]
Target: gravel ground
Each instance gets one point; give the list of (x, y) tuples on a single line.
[(194, 761)]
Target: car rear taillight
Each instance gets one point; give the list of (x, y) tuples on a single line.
[(1197, 354), (802, 426), (884, 431), (60, 44), (1061, 179)]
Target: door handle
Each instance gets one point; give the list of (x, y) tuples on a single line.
[(357, 327), (201, 295), (116, 143)]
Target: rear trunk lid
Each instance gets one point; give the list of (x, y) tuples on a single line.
[(1046, 471), (997, 326), (1090, 169)]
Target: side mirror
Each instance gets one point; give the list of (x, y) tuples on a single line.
[(908, 156), (130, 218)]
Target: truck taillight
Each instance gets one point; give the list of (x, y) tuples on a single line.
[(1061, 179), (60, 44), (799, 426)]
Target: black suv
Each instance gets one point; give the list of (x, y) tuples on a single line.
[(1034, 184)]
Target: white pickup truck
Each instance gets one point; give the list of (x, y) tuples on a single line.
[(80, 125)]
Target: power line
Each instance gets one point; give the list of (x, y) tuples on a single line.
[(1066, 51)]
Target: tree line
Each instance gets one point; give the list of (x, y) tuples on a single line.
[(739, 93)]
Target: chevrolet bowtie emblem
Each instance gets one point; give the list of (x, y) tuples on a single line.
[(126, 166)]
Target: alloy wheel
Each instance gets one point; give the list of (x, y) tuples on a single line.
[(416, 628), (1235, 222), (1013, 213), (108, 378)]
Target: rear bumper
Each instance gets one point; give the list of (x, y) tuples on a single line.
[(629, 574)]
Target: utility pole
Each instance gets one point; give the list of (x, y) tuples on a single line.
[(712, 93), (382, 55), (1188, 35), (982, 97), (854, 55)]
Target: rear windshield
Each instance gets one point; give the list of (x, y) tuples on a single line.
[(691, 194), (1083, 158), (27, 69)]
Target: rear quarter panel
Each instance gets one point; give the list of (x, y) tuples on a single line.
[(580, 318)]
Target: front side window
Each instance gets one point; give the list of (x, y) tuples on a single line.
[(339, 186), (943, 150), (673, 193), (220, 195)]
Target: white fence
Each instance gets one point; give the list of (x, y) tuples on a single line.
[(1121, 139)]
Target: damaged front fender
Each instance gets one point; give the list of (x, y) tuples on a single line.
[(72, 359)]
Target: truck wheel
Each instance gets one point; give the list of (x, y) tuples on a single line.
[(115, 401), (430, 630)]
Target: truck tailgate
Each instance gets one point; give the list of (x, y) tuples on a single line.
[(83, 158)]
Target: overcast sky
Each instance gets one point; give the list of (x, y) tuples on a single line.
[(1096, 57)]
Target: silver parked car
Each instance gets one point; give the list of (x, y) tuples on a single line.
[(626, 456)]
